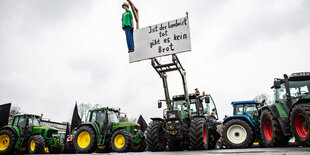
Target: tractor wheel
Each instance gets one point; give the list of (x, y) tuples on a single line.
[(121, 141), (69, 148), (7, 141), (55, 150), (237, 134), (139, 147), (103, 149), (300, 124), (36, 145), (198, 134), (155, 136), (271, 132), (84, 140)]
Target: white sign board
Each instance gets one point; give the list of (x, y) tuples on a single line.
[(161, 40)]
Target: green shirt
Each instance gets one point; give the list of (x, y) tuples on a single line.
[(126, 18)]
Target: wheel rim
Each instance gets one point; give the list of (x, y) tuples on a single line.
[(301, 125), (204, 135), (32, 145), (236, 134), (119, 141), (102, 147), (267, 129), (83, 139), (46, 149), (4, 142), (136, 146)]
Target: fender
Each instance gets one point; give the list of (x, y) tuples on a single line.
[(157, 119), (243, 117), (284, 122), (11, 129)]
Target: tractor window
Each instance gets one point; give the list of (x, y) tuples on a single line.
[(280, 94), (22, 122), (94, 116), (16, 121), (238, 109), (299, 89), (112, 117), (250, 110), (179, 105), (209, 107), (33, 121)]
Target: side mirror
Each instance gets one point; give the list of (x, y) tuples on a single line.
[(277, 84), (207, 100), (159, 104)]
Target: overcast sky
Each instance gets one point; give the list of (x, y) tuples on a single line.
[(56, 52)]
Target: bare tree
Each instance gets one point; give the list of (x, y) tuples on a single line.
[(83, 110), (262, 97), (15, 109)]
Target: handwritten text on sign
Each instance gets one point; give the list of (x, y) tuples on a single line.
[(161, 40)]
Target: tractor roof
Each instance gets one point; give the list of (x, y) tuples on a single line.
[(32, 115), (105, 108), (181, 97), (300, 76), (244, 102)]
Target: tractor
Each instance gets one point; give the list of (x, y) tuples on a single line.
[(184, 122), (242, 128), (289, 114), (26, 134), (103, 132)]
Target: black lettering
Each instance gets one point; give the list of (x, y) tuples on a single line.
[(152, 29), (171, 45), (167, 40), (162, 34)]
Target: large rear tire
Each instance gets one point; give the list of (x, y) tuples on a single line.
[(84, 140), (155, 137), (36, 145), (237, 134), (271, 132), (121, 141), (7, 141), (198, 134), (300, 124)]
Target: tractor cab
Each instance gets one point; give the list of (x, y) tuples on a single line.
[(200, 105), (25, 123), (247, 109), (103, 117), (292, 88)]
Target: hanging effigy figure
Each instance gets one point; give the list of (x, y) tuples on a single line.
[(127, 25)]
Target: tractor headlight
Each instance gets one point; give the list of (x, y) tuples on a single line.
[(169, 122), (176, 121), (171, 115)]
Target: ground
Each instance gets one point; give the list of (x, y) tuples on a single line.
[(252, 151)]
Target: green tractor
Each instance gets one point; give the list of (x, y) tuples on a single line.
[(26, 134), (289, 115), (103, 132), (184, 124)]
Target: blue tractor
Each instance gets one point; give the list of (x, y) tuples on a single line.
[(242, 128)]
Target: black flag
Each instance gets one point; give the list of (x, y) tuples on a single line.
[(4, 114), (142, 123), (67, 133), (76, 120)]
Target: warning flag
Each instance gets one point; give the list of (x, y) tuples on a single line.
[(76, 120), (142, 123), (4, 114)]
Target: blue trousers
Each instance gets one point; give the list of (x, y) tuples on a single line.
[(129, 38)]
